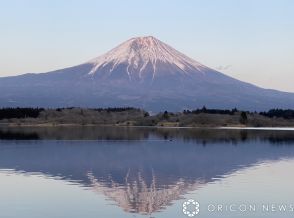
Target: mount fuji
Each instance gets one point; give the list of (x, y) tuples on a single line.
[(141, 72)]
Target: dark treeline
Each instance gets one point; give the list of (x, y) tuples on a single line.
[(8, 113), (211, 111), (286, 114), (115, 109), (18, 113)]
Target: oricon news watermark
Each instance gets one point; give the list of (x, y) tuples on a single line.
[(192, 208)]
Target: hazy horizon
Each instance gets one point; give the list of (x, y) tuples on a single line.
[(248, 40)]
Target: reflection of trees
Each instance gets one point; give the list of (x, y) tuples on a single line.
[(74, 133), (12, 135), (204, 136), (196, 135)]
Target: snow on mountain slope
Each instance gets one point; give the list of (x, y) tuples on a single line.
[(137, 53)]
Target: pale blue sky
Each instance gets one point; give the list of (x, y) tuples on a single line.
[(252, 40)]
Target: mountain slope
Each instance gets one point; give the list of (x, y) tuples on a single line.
[(141, 72)]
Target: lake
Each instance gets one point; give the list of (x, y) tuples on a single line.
[(87, 172)]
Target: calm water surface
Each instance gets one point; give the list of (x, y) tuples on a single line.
[(143, 172)]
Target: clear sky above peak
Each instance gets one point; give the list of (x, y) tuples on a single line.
[(247, 39)]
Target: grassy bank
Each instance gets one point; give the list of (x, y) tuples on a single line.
[(137, 117)]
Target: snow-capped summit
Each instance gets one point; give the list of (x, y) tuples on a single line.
[(142, 72), (145, 55)]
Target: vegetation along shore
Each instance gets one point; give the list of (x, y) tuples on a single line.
[(128, 116)]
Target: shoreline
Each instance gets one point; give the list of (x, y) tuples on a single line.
[(239, 127)]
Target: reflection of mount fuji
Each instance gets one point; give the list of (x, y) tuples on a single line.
[(145, 176)]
